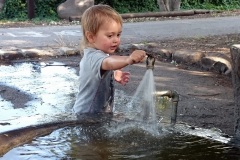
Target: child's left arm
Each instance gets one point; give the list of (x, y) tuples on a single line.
[(121, 76)]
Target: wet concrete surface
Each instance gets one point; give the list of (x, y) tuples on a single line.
[(35, 92)]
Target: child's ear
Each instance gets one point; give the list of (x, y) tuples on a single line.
[(90, 37)]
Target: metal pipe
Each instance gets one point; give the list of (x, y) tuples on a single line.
[(150, 62), (174, 99)]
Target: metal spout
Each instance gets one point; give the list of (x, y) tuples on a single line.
[(150, 62), (175, 98)]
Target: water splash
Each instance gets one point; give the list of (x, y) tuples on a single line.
[(144, 99), (93, 142), (139, 110)]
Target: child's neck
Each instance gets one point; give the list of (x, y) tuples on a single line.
[(91, 46)]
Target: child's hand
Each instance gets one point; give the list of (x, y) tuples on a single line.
[(136, 57), (121, 77)]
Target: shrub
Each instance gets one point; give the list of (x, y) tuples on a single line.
[(17, 9), (131, 6)]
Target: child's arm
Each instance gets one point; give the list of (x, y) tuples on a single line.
[(118, 62)]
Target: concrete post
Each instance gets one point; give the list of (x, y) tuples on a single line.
[(31, 7), (235, 56)]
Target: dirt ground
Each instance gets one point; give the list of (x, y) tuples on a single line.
[(206, 98)]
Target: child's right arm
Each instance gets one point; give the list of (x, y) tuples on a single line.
[(118, 62)]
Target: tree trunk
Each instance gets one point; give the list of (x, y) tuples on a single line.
[(169, 5), (1, 4), (175, 5), (30, 8), (163, 5)]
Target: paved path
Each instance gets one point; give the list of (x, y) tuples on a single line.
[(55, 36)]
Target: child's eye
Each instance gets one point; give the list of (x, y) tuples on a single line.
[(119, 34), (109, 36)]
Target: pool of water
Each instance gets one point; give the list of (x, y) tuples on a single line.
[(52, 90), (123, 141)]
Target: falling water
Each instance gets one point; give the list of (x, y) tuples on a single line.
[(140, 108), (144, 99)]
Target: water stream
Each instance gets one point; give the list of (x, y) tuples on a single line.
[(140, 108)]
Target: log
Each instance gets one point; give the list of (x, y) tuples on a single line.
[(158, 14), (155, 14), (201, 11)]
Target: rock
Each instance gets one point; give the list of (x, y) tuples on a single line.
[(68, 51), (126, 49), (207, 63), (217, 62), (156, 51), (73, 8), (11, 54), (220, 67), (31, 53), (187, 56), (163, 53)]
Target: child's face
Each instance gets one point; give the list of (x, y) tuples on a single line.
[(107, 38)]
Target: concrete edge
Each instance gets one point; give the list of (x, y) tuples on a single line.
[(206, 61)]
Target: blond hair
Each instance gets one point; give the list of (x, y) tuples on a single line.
[(94, 17)]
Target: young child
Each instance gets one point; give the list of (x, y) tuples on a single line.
[(102, 28)]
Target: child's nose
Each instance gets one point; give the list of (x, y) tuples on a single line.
[(116, 39)]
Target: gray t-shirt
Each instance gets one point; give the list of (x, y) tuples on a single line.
[(96, 89)]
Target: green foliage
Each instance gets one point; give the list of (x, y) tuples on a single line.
[(14, 9), (44, 9), (211, 4), (17, 9), (131, 6)]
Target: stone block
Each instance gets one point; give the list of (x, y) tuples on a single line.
[(187, 56), (11, 54), (68, 51), (217, 62), (73, 8)]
